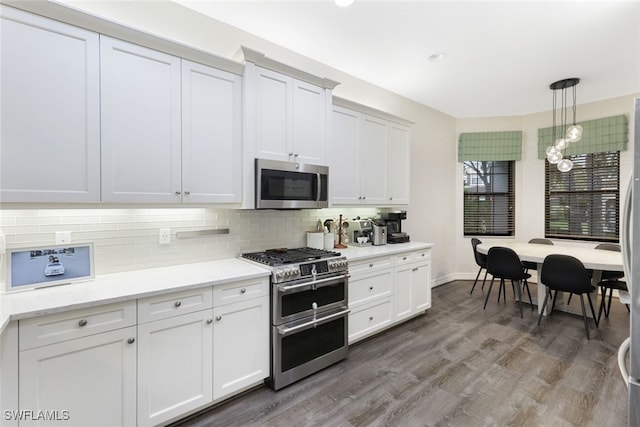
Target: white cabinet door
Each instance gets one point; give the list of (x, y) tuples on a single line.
[(403, 293), (140, 123), (49, 110), (211, 135), (309, 123), (272, 101), (345, 164), (240, 346), (374, 160), (421, 286), (89, 381), (399, 152), (175, 366)]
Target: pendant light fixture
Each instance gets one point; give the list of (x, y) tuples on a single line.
[(570, 134)]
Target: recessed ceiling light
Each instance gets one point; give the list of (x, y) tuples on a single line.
[(343, 3), (437, 56)]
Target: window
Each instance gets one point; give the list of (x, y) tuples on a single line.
[(583, 204), (488, 198)]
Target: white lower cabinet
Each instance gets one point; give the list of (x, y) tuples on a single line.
[(89, 381), (240, 345), (175, 366), (384, 291)]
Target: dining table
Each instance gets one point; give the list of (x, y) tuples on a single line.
[(597, 260)]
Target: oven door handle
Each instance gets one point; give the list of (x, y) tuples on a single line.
[(283, 288), (284, 331)]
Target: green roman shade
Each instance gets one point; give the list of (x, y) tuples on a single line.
[(491, 146), (598, 136)]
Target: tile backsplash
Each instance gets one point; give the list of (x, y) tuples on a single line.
[(127, 239)]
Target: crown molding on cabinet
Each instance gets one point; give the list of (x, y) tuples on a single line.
[(90, 22), (260, 59), (345, 103)]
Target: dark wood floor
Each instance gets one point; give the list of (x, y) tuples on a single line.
[(457, 365)]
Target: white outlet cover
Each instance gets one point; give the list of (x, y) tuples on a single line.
[(164, 236), (63, 237)]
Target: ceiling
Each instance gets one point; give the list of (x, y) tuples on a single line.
[(501, 56)]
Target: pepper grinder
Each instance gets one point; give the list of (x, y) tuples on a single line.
[(340, 245)]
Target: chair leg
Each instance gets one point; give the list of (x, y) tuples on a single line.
[(488, 293), (485, 277), (526, 285), (553, 303), (569, 299), (593, 313), (504, 291), (475, 281), (544, 305), (584, 316), (500, 288), (602, 303), (517, 286), (606, 313)]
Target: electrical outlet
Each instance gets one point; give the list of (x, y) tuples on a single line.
[(164, 236), (63, 237)]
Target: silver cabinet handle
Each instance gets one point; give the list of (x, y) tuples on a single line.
[(218, 318), (370, 317), (371, 288), (209, 321), (370, 265), (390, 198), (404, 258), (416, 269), (177, 304), (82, 323), (178, 193), (131, 340), (282, 330), (187, 192), (290, 154), (243, 290)]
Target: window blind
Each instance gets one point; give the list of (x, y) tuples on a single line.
[(583, 204), (599, 135), (490, 146), (489, 198)]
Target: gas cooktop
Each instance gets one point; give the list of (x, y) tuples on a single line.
[(283, 256)]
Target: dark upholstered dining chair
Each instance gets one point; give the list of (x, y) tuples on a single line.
[(528, 265), (564, 273), (610, 281), (481, 260), (504, 264)]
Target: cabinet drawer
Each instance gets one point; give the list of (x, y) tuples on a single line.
[(412, 257), (371, 264), (39, 331), (174, 304), (369, 286), (369, 319), (240, 291)]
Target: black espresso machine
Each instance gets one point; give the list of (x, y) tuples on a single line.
[(394, 226)]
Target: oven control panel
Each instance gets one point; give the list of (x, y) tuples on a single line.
[(287, 273)]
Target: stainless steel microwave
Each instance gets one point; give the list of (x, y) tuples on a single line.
[(288, 185)]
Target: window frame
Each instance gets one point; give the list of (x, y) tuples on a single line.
[(503, 220), (601, 199)]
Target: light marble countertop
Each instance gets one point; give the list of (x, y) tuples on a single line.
[(354, 253), (117, 287)]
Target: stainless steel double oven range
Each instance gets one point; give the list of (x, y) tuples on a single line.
[(309, 311)]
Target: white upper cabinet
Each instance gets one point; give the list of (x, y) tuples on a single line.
[(49, 110), (288, 116), (345, 162), (369, 157), (211, 134), (399, 152), (140, 123), (373, 149), (309, 123)]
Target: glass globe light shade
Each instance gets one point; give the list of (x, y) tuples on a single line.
[(554, 157), (561, 144), (565, 165), (574, 133), (551, 149)]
